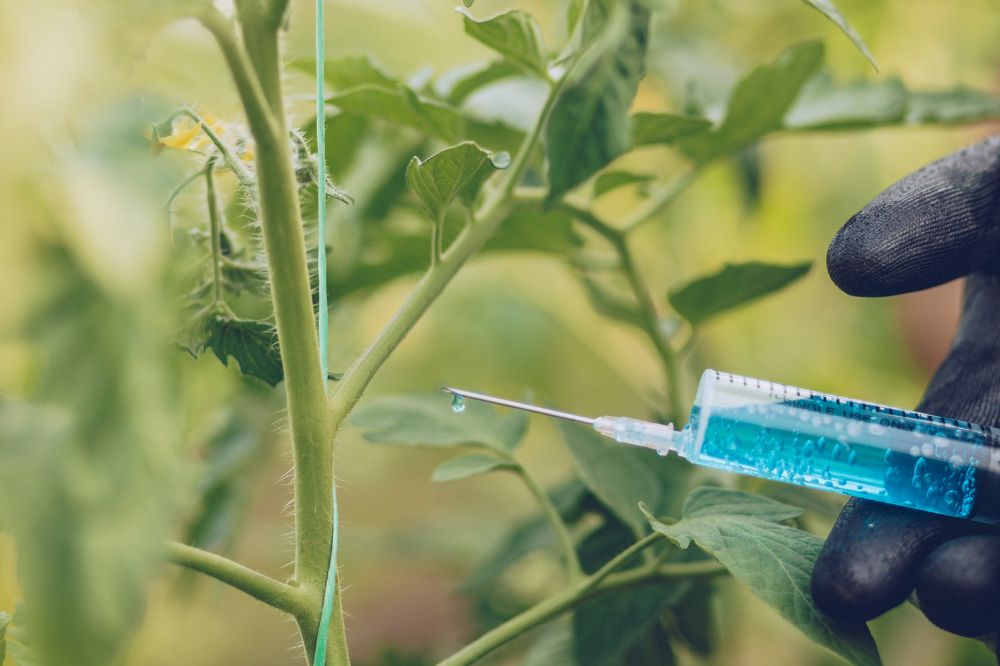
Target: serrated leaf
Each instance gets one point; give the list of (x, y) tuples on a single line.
[(758, 103), (252, 344), (735, 285), (651, 128), (826, 106), (829, 10), (622, 476), (710, 501), (461, 86), (458, 171), (773, 560), (399, 105), (466, 466), (612, 180), (950, 107), (589, 124), (513, 34), (428, 420)]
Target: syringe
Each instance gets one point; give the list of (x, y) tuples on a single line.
[(760, 428)]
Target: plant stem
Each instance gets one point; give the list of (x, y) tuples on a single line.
[(485, 223), (647, 310), (176, 192), (659, 201), (259, 586), (573, 569), (284, 241), (215, 229), (598, 583), (621, 558), (651, 323)]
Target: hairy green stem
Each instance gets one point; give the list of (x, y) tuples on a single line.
[(573, 569), (259, 586), (602, 581), (311, 428)]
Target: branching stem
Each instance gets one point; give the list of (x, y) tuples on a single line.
[(602, 581), (259, 586)]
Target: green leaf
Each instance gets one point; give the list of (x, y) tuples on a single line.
[(351, 71), (478, 77), (466, 466), (773, 560), (399, 105), (711, 501), (589, 124), (612, 180), (951, 107), (758, 103), (826, 106), (607, 627), (668, 128), (427, 420), (622, 476), (829, 10), (458, 171), (347, 72), (252, 344), (514, 35), (735, 285)]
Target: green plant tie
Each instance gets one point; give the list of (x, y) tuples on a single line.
[(323, 324)]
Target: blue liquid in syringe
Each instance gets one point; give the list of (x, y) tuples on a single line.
[(856, 448)]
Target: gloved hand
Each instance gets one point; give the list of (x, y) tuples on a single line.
[(937, 224)]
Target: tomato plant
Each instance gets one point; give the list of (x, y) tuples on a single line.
[(639, 544)]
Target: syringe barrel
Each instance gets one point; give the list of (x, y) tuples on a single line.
[(824, 441)]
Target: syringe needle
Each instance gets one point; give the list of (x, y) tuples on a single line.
[(518, 405)]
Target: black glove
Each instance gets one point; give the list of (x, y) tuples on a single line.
[(935, 225)]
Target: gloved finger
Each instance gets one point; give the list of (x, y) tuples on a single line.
[(967, 384), (870, 561), (958, 585), (937, 224)]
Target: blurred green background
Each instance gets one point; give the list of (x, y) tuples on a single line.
[(514, 322)]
